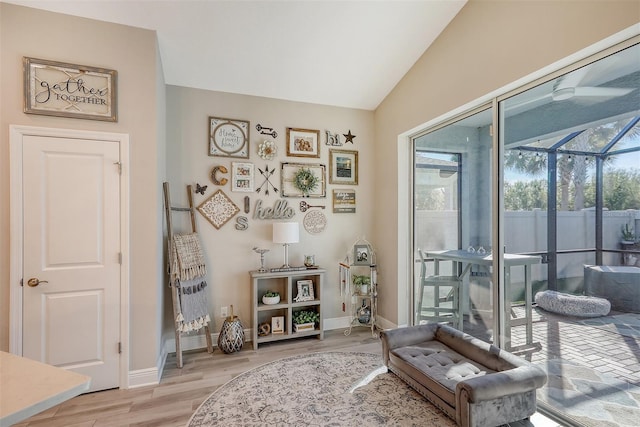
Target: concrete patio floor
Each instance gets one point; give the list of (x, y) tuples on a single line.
[(593, 365)]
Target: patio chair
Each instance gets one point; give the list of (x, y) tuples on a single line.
[(428, 307)]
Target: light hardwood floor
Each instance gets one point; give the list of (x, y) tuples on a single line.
[(180, 392)]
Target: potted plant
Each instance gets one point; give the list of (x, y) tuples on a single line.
[(361, 283), (628, 235), (270, 298), (305, 320)]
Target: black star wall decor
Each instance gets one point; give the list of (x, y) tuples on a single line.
[(348, 137)]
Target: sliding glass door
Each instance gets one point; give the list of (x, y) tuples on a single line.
[(452, 224)]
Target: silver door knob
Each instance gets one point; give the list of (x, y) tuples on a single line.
[(33, 282)]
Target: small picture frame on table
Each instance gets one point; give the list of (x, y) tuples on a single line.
[(305, 290), (277, 325), (361, 255)]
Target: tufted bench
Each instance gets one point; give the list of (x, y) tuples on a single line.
[(473, 382)]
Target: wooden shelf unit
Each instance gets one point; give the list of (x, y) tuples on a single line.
[(286, 284)]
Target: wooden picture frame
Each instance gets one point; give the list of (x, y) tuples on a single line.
[(305, 290), (242, 177), (288, 173), (361, 255), (344, 201), (303, 142), (277, 325), (228, 137), (343, 167), (60, 89)]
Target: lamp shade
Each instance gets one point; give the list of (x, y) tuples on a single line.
[(286, 232)]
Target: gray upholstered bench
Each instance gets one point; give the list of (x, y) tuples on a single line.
[(473, 382)]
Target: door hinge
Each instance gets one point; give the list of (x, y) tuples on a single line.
[(21, 282), (490, 130), (119, 164), (119, 257), (119, 348)]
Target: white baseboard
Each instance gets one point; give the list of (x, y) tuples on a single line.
[(144, 377)]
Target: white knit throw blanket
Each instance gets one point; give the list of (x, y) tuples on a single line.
[(188, 259)]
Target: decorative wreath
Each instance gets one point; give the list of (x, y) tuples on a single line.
[(305, 181)]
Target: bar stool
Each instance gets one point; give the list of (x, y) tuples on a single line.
[(428, 307)]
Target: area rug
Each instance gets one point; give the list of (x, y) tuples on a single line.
[(319, 389)]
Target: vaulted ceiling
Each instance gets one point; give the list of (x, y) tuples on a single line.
[(341, 53)]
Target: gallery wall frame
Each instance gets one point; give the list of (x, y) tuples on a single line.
[(53, 88), (303, 142), (288, 173), (343, 167), (228, 137), (242, 177), (344, 201)]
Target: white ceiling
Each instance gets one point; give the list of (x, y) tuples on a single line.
[(341, 53)]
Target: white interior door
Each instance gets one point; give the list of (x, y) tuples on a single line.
[(71, 232)]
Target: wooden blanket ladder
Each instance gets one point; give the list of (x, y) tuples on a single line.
[(169, 209)]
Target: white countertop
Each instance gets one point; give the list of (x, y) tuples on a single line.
[(28, 387)]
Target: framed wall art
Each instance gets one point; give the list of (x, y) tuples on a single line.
[(242, 177), (303, 142), (343, 167), (303, 179), (67, 90), (228, 137), (218, 209), (344, 201)]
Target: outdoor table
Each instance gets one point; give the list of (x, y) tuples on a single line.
[(467, 259)]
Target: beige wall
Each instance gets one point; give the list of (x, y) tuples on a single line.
[(132, 52), (229, 251), (488, 45)]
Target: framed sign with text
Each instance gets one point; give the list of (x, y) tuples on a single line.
[(68, 90), (228, 137)]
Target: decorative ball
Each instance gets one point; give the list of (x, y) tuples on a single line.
[(264, 329)]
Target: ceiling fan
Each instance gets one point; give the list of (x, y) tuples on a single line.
[(568, 87)]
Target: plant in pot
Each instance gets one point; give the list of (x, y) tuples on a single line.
[(361, 283), (270, 298), (305, 320), (628, 236)]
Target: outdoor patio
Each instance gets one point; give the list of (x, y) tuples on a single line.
[(593, 365)]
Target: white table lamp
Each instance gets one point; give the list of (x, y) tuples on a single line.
[(286, 233)]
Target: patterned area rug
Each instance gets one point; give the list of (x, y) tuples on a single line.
[(318, 389)]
